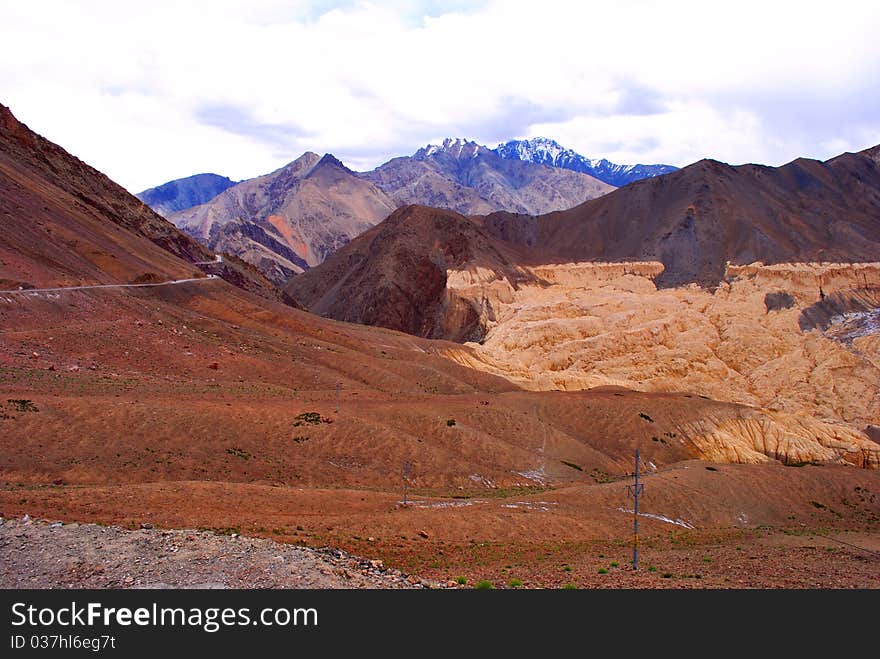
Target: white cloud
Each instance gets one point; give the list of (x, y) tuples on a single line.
[(240, 88)]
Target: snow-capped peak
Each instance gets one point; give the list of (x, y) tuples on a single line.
[(544, 151), (541, 150), (456, 147)]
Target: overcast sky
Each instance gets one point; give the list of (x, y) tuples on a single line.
[(151, 91)]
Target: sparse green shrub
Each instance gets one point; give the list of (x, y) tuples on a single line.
[(461, 581), (514, 583), (651, 568), (569, 586), (484, 585), (603, 570), (615, 564)]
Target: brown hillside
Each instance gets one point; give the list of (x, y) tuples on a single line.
[(699, 218), (394, 275), (64, 223)]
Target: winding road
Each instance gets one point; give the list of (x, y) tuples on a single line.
[(35, 291)]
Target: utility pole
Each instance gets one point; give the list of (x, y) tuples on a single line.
[(407, 468), (634, 491), (338, 387)]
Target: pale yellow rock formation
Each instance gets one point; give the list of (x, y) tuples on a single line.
[(593, 324)]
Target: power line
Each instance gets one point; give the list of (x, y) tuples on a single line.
[(634, 491)]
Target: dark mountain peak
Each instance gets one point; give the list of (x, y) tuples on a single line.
[(329, 160)]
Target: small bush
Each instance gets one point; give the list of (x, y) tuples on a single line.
[(572, 465), (461, 581), (484, 585), (569, 586), (667, 575), (514, 583), (651, 568), (450, 422), (646, 417), (615, 564), (22, 405), (603, 570), (566, 568), (310, 419), (239, 453)]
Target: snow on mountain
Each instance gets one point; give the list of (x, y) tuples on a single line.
[(455, 147), (545, 151)]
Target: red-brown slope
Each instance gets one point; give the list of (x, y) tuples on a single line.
[(64, 223), (698, 218), (394, 275)]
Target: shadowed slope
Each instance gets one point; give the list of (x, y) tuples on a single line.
[(395, 275)]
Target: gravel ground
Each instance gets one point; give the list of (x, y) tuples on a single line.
[(43, 554)]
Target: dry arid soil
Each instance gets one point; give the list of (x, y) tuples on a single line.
[(199, 406)]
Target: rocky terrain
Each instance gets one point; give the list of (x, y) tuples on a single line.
[(587, 325), (470, 179), (43, 554), (184, 193)]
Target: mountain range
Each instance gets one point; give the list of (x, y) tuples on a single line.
[(292, 219), (544, 151), (180, 194), (468, 178), (693, 222)]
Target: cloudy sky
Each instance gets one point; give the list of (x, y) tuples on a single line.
[(151, 91)]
